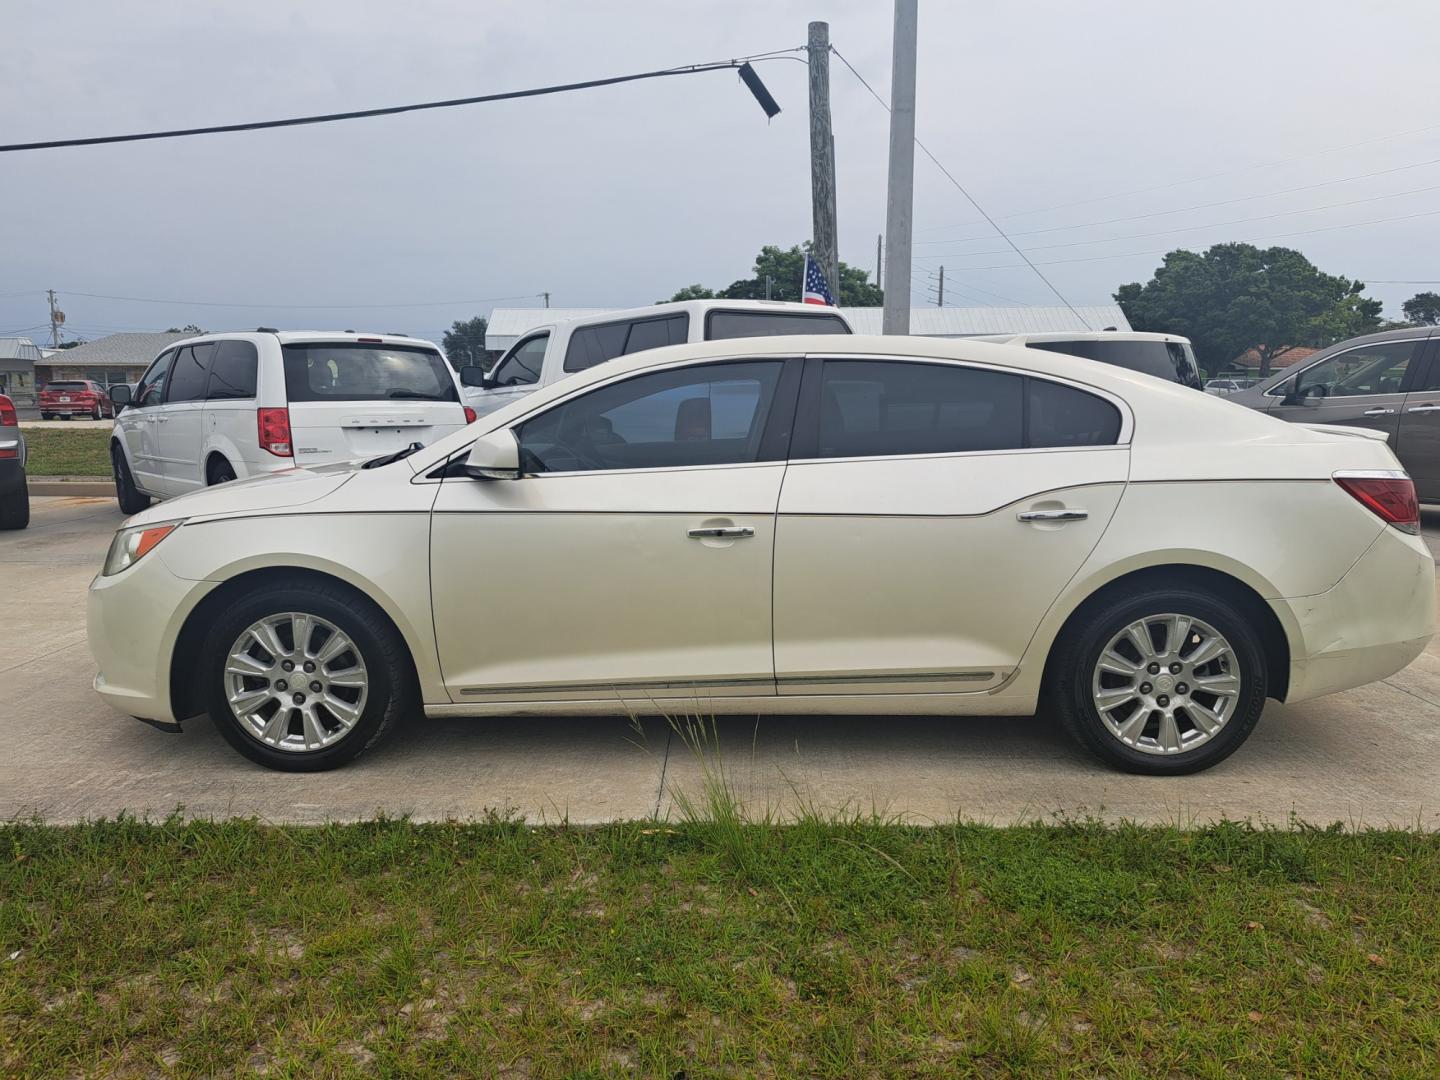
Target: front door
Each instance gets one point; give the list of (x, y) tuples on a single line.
[(1360, 387), (634, 557), (139, 425), (1417, 443), (179, 432), (932, 512)]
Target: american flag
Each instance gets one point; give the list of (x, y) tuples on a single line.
[(817, 289)]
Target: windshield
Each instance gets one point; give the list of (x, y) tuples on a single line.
[(347, 371), (1169, 360)]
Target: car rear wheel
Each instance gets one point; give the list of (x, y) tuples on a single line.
[(130, 498), (219, 471), (47, 416), (15, 508), (305, 677), (95, 413), (1160, 681)]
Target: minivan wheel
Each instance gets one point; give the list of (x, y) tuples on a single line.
[(130, 498), (1160, 681), (219, 472), (303, 677)]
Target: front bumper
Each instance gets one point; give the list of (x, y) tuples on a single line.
[(133, 621), (1372, 623)]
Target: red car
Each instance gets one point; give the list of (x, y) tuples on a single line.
[(81, 397)]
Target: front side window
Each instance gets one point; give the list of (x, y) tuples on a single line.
[(151, 390), (232, 374), (190, 373), (521, 365), (742, 324), (711, 414), (1370, 369), (355, 371)]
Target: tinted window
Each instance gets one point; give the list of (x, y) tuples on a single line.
[(877, 407), (151, 390), (1060, 415), (190, 373), (591, 345), (738, 324), (67, 387), (657, 333), (1370, 369), (352, 371), (232, 373), (713, 414), (521, 365), (1168, 360)]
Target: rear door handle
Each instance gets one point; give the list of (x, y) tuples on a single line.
[(1052, 515), (1378, 411), (1431, 407), (725, 531)]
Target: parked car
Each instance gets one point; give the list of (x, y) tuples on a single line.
[(223, 407), (1166, 356), (1227, 386), (1389, 382), (78, 397), (871, 525), (14, 491), (556, 350)]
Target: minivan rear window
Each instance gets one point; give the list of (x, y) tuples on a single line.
[(740, 324), (352, 371), (1168, 360)]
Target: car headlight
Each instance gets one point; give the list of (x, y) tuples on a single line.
[(132, 545)]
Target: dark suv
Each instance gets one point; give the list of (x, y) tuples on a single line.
[(1389, 382)]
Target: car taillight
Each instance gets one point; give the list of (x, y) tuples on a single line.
[(7, 413), (274, 425), (469, 415), (1386, 493)]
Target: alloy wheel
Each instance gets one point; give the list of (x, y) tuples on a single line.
[(1166, 684), (296, 682)]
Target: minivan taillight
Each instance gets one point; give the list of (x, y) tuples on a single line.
[(274, 427), (1386, 493), (469, 415)]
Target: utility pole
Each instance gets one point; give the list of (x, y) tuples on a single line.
[(941, 301), (901, 191), (56, 318), (824, 246), (879, 256)]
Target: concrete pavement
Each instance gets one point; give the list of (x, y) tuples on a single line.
[(1368, 756)]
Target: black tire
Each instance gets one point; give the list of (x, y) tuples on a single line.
[(15, 508), (391, 695), (1073, 661), (95, 415), (219, 471), (47, 416), (130, 498)]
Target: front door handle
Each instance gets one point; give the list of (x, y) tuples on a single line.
[(721, 531), (1052, 515), (1430, 407), (1378, 411)]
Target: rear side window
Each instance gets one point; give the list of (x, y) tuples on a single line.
[(190, 374), (355, 371), (591, 345), (1168, 360), (1059, 415), (232, 374), (741, 324)]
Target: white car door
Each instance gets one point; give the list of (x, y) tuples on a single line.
[(138, 425), (932, 512), (516, 374), (633, 557), (179, 430)]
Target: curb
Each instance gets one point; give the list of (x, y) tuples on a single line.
[(81, 486)]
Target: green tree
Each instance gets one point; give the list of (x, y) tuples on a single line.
[(188, 328), (785, 269), (1236, 296), (465, 342), (1424, 308)]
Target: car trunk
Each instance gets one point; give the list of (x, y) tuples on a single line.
[(324, 431)]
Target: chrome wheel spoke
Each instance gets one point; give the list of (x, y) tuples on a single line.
[(301, 631), (341, 709), (335, 646), (276, 727), (264, 633), (1169, 732), (245, 665), (1114, 698), (1138, 634), (249, 700), (1223, 685), (1210, 649), (1177, 629), (1116, 664), (314, 733), (1205, 719), (1134, 725)]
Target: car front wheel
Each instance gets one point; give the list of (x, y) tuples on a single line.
[(1160, 681), (305, 677), (130, 498)]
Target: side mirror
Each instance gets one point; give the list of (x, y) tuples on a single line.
[(120, 394), (474, 375), (494, 456)]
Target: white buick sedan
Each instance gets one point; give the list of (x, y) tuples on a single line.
[(787, 525)]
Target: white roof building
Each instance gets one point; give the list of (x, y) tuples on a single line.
[(507, 325)]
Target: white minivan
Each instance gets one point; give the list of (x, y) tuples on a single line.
[(224, 407)]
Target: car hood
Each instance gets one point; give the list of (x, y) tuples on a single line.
[(292, 487)]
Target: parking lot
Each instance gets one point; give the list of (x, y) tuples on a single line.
[(1367, 756)]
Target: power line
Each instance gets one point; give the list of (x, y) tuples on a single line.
[(391, 110), (317, 307), (969, 198)]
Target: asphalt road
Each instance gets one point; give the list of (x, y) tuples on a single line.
[(1368, 756)]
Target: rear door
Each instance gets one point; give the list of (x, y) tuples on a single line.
[(361, 398), (1361, 387), (1417, 442), (179, 430)]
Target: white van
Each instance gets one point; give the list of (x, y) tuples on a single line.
[(551, 351), (230, 406)]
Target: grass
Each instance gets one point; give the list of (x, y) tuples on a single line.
[(58, 452), (716, 947)]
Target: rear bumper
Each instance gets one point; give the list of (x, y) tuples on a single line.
[(1374, 622)]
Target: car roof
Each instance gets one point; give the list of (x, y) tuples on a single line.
[(1090, 335), (288, 337), (697, 308)]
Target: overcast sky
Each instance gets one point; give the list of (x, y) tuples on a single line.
[(1056, 115)]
